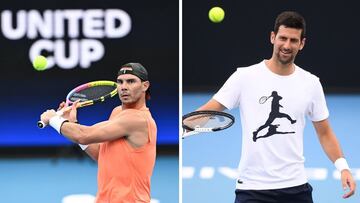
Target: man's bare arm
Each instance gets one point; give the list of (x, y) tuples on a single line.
[(332, 149), (213, 105)]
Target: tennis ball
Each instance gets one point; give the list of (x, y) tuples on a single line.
[(39, 63), (216, 14)]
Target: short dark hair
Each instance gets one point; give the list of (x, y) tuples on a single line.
[(291, 19)]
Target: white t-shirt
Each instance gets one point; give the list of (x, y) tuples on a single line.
[(272, 141)]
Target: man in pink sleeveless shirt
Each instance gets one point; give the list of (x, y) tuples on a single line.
[(124, 146)]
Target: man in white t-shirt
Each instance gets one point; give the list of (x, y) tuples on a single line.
[(273, 114)]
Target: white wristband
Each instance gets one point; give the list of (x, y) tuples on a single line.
[(83, 146), (341, 164), (56, 122)]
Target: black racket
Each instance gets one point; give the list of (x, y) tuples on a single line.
[(205, 121), (89, 93)]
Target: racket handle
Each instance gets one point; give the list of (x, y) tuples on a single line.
[(41, 124)]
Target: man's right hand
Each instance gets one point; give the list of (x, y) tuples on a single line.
[(69, 113)]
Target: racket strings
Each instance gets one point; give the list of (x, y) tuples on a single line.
[(91, 93)]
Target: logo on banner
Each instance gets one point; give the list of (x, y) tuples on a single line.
[(70, 37)]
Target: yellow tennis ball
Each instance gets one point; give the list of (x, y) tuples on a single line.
[(39, 63), (216, 14)]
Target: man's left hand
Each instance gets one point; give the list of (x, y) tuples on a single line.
[(347, 182)]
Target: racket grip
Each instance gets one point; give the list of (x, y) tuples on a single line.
[(41, 124)]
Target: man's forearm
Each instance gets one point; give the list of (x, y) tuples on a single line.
[(331, 146)]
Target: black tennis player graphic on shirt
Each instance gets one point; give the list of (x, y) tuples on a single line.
[(274, 113)]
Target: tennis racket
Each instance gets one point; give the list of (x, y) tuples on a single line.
[(205, 121), (88, 94), (263, 99)]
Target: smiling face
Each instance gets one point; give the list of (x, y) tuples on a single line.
[(131, 89), (287, 43)]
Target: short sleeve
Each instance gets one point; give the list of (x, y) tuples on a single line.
[(229, 93), (318, 110)]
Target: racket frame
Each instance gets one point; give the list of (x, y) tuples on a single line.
[(188, 131), (42, 125), (92, 84), (263, 99)]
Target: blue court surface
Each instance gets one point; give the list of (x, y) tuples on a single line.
[(46, 180), (210, 160)]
